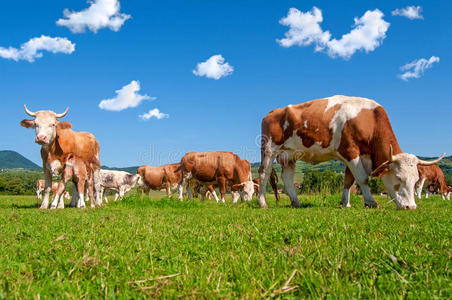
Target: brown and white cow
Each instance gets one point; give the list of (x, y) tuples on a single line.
[(40, 185), (79, 171), (56, 140), (431, 175), (354, 130), (218, 168), (154, 178)]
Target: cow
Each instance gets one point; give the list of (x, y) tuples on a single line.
[(79, 171), (431, 175), (217, 168), (449, 191), (355, 130), (58, 139), (166, 176), (119, 181), (40, 184)]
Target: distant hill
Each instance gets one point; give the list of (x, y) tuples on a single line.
[(132, 170), (14, 160)]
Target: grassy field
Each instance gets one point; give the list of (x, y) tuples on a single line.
[(161, 247)]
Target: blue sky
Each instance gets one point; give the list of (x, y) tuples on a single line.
[(163, 41)]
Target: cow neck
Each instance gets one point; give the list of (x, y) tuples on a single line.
[(380, 153)]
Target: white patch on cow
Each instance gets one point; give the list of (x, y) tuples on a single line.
[(285, 125), (305, 124), (349, 108), (55, 167)]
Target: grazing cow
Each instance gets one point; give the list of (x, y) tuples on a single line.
[(57, 140), (217, 168), (119, 181), (79, 171), (354, 130), (40, 185), (431, 175), (155, 178)]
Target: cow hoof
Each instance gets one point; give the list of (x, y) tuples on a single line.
[(371, 205), (265, 206), (296, 204), (52, 207)]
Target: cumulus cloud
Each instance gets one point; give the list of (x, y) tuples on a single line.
[(153, 113), (214, 67), (100, 14), (33, 48), (304, 29), (410, 12), (125, 98), (416, 68)]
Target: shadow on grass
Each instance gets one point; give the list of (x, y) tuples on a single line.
[(25, 206)]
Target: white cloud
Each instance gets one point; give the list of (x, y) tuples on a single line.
[(416, 68), (33, 48), (214, 67), (153, 113), (368, 33), (126, 97), (100, 14), (410, 12)]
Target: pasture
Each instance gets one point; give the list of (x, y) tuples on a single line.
[(161, 247)]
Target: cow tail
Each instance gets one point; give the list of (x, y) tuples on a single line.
[(273, 183)]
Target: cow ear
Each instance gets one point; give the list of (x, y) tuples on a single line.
[(256, 186), (27, 123), (381, 170), (64, 125)]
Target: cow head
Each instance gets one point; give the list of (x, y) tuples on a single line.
[(246, 190), (400, 175), (45, 124)]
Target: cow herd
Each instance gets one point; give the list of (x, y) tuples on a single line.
[(355, 130)]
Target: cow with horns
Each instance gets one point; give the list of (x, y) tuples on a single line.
[(354, 130), (57, 140)]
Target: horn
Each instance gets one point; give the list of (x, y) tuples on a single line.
[(429, 163), (63, 114), (390, 153), (30, 113)]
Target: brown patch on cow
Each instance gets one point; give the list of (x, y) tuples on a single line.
[(64, 125), (294, 117), (397, 187)]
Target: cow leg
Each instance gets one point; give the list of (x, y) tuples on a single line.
[(287, 175), (81, 191), (97, 186), (419, 188), (348, 182), (184, 184), (235, 196), (74, 196), (362, 177), (47, 189), (427, 194), (222, 184), (116, 196), (168, 189), (268, 156)]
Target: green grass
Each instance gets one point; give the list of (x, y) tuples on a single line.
[(161, 247)]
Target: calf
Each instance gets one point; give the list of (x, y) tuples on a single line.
[(40, 185), (431, 175), (354, 130), (119, 181), (79, 171), (217, 168), (155, 178)]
